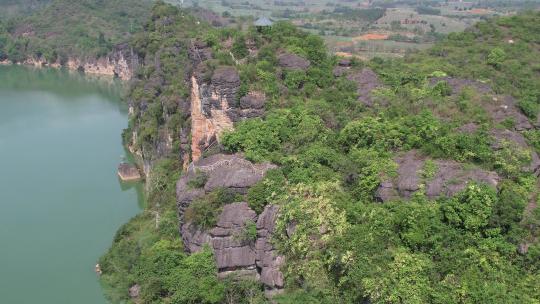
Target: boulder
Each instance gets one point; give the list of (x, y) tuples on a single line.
[(293, 62), (128, 172), (134, 291)]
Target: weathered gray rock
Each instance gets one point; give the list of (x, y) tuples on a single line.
[(267, 258), (366, 81), (293, 62), (501, 109), (222, 171), (234, 253), (450, 178), (458, 84), (513, 137)]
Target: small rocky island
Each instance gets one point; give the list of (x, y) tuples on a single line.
[(128, 172)]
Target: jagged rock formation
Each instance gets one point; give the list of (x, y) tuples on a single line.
[(267, 259), (234, 252), (366, 81), (450, 177), (215, 106)]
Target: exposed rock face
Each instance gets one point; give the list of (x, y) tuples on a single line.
[(499, 108), (222, 171), (449, 179), (233, 251), (505, 108), (267, 259), (513, 137), (458, 84), (121, 62), (366, 81), (128, 172), (293, 62), (214, 107)]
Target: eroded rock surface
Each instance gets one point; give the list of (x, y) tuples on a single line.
[(515, 138), (235, 253), (450, 177), (215, 107), (293, 62), (267, 258), (366, 81), (222, 171), (458, 84), (499, 108)]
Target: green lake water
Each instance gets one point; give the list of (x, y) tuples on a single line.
[(60, 199)]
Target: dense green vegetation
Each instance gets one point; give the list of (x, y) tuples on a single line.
[(333, 152), (148, 250), (68, 28)]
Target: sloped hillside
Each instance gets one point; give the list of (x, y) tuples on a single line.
[(321, 180), (72, 28)]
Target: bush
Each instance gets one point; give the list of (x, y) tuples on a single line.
[(264, 191), (204, 212)]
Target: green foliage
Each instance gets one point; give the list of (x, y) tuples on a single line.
[(195, 280), (472, 208), (442, 88), (340, 244), (204, 212), (496, 57), (239, 48), (199, 180), (262, 193)]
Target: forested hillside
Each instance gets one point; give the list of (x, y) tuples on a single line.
[(14, 8), (69, 28), (397, 181)]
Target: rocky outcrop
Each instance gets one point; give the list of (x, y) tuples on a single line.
[(215, 107), (232, 249), (516, 139), (499, 108), (366, 81), (121, 63), (235, 252), (128, 172), (458, 84), (222, 171), (503, 108), (267, 259), (293, 62), (450, 177)]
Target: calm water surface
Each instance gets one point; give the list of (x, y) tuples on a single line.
[(60, 199)]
